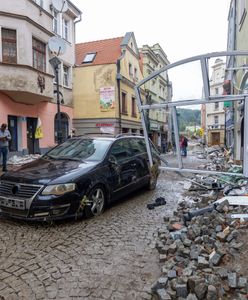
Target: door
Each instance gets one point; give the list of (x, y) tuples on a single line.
[(32, 143), (12, 126), (123, 172), (215, 138)]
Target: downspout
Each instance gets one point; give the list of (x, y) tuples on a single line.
[(118, 78)]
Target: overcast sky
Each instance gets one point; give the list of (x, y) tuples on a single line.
[(183, 28)]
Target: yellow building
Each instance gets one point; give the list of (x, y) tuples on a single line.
[(104, 78)]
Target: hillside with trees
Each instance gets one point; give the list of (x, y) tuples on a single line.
[(188, 117)]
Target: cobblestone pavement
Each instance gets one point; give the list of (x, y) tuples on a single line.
[(112, 256)]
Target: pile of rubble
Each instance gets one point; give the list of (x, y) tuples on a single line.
[(219, 159), (204, 235)]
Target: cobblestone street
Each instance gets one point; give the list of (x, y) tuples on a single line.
[(108, 257)]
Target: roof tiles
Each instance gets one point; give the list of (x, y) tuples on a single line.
[(107, 51)]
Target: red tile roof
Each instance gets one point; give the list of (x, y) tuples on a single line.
[(107, 51)]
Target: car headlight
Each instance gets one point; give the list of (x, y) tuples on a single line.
[(59, 189)]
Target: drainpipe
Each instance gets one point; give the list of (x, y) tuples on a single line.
[(118, 78)]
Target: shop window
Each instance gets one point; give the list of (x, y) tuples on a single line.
[(9, 51), (39, 55)]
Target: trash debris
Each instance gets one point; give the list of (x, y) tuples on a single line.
[(158, 202)]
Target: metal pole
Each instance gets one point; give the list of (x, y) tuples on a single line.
[(245, 137), (59, 133)]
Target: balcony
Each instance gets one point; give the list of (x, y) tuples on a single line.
[(25, 84)]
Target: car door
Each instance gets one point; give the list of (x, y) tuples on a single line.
[(141, 159), (123, 172)]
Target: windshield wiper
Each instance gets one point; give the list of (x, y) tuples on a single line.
[(69, 158), (50, 156)]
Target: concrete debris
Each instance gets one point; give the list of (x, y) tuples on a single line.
[(202, 235)]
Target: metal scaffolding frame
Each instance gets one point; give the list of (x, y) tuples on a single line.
[(203, 59)]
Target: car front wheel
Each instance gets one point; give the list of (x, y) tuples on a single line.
[(96, 201)]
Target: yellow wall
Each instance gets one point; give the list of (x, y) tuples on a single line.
[(86, 90)]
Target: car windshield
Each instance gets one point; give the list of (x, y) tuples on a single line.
[(81, 149)]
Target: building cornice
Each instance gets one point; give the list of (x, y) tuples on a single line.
[(27, 19)]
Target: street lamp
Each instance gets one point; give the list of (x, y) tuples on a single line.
[(55, 62)]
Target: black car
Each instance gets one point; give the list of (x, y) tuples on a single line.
[(80, 176)]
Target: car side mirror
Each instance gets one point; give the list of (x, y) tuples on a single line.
[(112, 160)]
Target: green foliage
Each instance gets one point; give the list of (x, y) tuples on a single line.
[(188, 117)]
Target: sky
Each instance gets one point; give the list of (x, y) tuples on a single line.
[(183, 28)]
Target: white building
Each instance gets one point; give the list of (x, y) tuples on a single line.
[(215, 114)]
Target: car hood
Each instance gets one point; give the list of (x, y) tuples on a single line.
[(52, 171)]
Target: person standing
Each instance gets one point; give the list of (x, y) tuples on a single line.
[(5, 137), (184, 145)]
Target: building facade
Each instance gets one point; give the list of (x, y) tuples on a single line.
[(105, 76), (215, 113), (27, 86), (238, 82), (158, 90)]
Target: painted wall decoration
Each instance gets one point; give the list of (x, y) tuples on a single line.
[(107, 98)]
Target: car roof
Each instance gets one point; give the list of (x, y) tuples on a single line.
[(106, 137)]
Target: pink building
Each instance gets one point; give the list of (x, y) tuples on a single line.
[(28, 91)]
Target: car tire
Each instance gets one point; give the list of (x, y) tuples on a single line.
[(97, 201), (152, 183)]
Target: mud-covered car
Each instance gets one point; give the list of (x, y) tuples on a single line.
[(78, 177)]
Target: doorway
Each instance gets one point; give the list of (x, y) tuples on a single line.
[(32, 143), (12, 126), (215, 138)]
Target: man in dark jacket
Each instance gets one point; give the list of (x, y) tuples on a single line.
[(5, 137)]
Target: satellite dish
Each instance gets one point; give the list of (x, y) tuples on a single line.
[(57, 45), (60, 5)]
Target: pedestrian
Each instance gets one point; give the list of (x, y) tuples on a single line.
[(183, 145), (5, 137), (164, 145)]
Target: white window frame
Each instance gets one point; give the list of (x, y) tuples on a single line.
[(89, 57), (66, 29), (66, 76), (56, 22)]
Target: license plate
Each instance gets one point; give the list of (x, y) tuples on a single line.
[(12, 203)]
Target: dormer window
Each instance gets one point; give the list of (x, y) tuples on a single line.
[(89, 57)]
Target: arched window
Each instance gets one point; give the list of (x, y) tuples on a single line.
[(64, 119)]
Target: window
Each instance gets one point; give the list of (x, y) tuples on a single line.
[(9, 52), (123, 103), (66, 76), (55, 21), (138, 146), (134, 113), (130, 69), (89, 57), (216, 120), (39, 55), (216, 105), (135, 73), (216, 91), (65, 29)]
